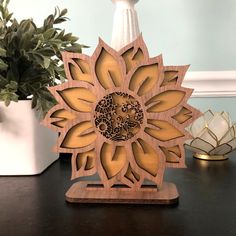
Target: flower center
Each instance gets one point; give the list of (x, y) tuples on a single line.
[(118, 116)]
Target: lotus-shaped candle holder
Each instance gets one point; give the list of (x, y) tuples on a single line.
[(214, 136)]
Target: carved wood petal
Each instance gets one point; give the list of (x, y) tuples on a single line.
[(170, 77), (132, 57), (113, 159), (183, 115), (78, 98), (80, 135), (162, 130), (146, 157), (165, 101), (175, 156), (77, 67), (63, 117), (144, 78), (80, 70), (174, 75), (83, 164), (131, 175), (107, 70), (134, 53), (122, 115)]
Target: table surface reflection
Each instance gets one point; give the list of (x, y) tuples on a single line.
[(35, 205)]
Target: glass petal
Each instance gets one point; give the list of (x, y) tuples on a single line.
[(221, 150), (232, 143), (188, 141), (195, 149), (226, 116), (228, 136), (208, 115), (218, 125), (202, 145), (197, 126), (208, 137)]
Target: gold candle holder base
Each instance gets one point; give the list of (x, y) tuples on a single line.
[(210, 158)]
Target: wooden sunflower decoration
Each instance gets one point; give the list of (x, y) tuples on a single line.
[(121, 115)]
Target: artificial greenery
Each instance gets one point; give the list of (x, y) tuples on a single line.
[(30, 57)]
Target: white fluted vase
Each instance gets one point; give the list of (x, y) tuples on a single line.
[(125, 23)]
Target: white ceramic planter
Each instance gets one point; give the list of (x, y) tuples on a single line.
[(25, 145)]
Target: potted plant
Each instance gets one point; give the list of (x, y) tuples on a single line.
[(30, 61)]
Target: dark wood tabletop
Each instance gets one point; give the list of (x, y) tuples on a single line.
[(35, 205)]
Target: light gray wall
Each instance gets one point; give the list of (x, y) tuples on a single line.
[(197, 32), (219, 104)]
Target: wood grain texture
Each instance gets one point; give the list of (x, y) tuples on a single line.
[(92, 192), (122, 115)]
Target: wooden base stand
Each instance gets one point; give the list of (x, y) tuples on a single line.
[(93, 192)]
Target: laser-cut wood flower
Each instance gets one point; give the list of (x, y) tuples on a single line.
[(121, 114)]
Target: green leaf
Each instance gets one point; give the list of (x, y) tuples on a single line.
[(3, 82), (48, 22), (9, 17), (48, 34), (30, 57), (13, 72), (63, 12), (60, 35), (75, 48), (55, 12), (3, 65), (12, 86), (34, 101), (8, 93), (67, 37), (84, 46), (73, 39), (60, 20), (47, 51), (46, 62), (7, 102), (3, 52), (25, 25), (45, 101), (37, 45)]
